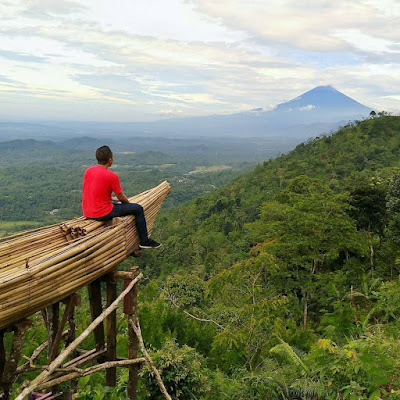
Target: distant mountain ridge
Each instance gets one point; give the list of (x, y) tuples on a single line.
[(322, 109)]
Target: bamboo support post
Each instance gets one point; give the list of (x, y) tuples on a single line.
[(131, 310), (72, 334), (123, 275), (57, 339), (111, 373), (2, 356), (96, 308), (52, 314), (11, 361)]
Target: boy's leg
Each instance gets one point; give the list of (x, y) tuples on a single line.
[(124, 209)]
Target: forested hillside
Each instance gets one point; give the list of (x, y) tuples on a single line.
[(282, 284), (292, 273), (359, 157)]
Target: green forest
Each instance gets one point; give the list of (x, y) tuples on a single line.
[(282, 283), (38, 177)]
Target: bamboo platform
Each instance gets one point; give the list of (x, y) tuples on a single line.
[(43, 266)]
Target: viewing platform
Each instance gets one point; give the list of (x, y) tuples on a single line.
[(43, 268)]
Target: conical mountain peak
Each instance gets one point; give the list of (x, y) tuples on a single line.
[(323, 98)]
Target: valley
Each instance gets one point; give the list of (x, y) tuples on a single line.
[(42, 179)]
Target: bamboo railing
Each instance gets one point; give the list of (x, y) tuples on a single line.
[(45, 265)]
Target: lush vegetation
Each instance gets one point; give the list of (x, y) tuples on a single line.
[(42, 181), (282, 284), (295, 266)]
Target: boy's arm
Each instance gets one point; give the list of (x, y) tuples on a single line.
[(122, 198)]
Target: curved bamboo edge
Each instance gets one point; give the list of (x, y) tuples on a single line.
[(42, 266)]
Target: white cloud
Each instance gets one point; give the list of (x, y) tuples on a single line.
[(310, 25), (394, 97), (308, 107), (196, 98), (50, 8), (194, 57), (389, 8), (169, 113), (365, 42), (172, 19)]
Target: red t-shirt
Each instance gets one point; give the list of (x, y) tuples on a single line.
[(98, 185)]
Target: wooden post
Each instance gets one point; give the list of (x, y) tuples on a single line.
[(133, 340), (57, 340), (52, 315), (11, 362), (72, 334), (44, 315), (69, 316), (96, 308), (2, 357), (111, 373)]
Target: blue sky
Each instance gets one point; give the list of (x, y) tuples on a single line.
[(131, 60)]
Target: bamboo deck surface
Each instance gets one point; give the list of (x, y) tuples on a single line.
[(45, 265)]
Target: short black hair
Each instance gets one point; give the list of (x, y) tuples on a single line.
[(103, 154)]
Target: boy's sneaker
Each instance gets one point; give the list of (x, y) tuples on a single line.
[(150, 244)]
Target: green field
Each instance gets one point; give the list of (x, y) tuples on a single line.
[(213, 168), (10, 227)]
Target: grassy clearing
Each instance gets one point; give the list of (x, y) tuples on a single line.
[(166, 165), (10, 227), (214, 168)]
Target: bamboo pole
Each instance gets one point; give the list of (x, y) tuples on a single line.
[(96, 309), (53, 315), (136, 327), (85, 358), (111, 373), (89, 371), (32, 358), (72, 334), (132, 338), (52, 283)]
